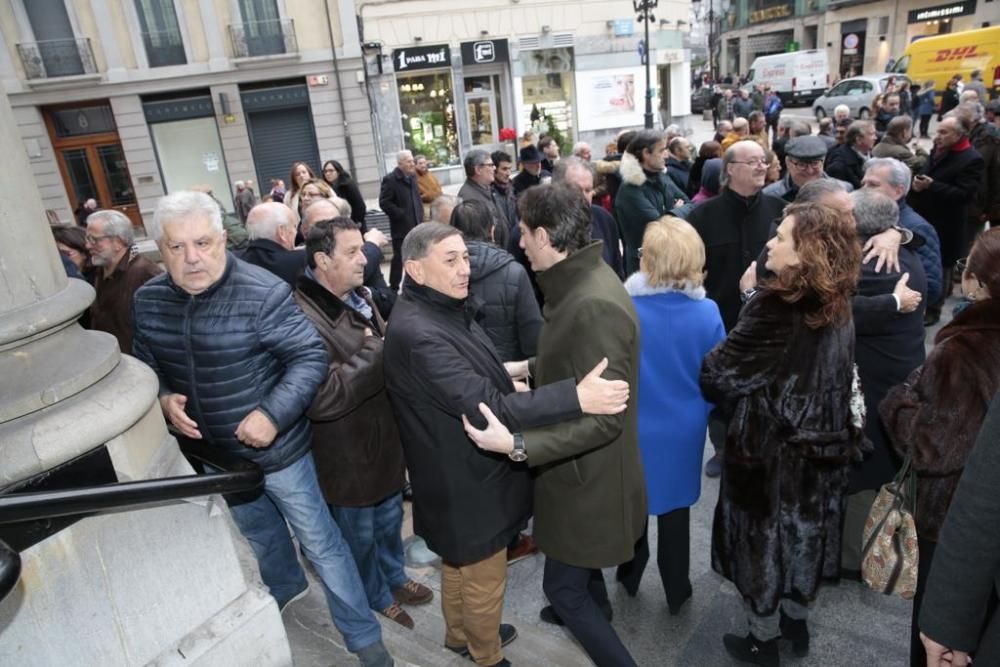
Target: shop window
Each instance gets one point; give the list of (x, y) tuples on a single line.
[(427, 110), (547, 90)]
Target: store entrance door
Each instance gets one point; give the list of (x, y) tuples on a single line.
[(484, 114), (91, 160)]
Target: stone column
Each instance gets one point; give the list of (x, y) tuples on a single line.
[(123, 588)]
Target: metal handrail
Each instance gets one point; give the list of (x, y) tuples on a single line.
[(238, 475), (263, 38), (57, 57)]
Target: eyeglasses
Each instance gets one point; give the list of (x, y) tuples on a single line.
[(639, 252), (94, 239), (761, 162), (962, 264), (487, 164), (806, 164)]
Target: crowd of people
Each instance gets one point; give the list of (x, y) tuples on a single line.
[(555, 342)]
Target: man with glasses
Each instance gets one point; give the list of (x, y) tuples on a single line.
[(734, 227), (480, 172), (804, 160), (120, 272), (847, 161)]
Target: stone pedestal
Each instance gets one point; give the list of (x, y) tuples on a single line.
[(164, 585)]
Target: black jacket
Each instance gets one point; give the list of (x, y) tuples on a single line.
[(966, 569), (525, 180), (889, 345), (240, 345), (439, 365), (510, 314), (845, 163), (472, 191), (286, 264), (399, 198), (945, 203), (348, 189), (734, 230), (604, 228), (679, 172)]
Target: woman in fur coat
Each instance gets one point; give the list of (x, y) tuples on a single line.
[(785, 374), (673, 415), (936, 414)]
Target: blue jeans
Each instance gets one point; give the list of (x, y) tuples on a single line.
[(293, 495), (374, 535)]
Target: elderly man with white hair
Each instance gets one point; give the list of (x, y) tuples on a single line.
[(399, 197), (892, 178), (120, 272), (244, 200), (238, 365), (582, 150), (272, 241)]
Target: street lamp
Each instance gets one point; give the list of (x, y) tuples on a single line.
[(644, 8)]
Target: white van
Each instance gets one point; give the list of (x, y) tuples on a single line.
[(798, 77)]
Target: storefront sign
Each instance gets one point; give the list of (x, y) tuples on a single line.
[(421, 57), (485, 52), (623, 27), (942, 12), (770, 14)]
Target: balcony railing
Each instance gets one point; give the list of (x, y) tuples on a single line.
[(57, 57), (164, 48), (263, 38)]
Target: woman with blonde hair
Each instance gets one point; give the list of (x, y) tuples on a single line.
[(673, 415), (300, 174), (786, 374)]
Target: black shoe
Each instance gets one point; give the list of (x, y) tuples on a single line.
[(549, 615), (508, 633), (752, 650), (797, 632), (713, 467), (629, 582), (676, 606)]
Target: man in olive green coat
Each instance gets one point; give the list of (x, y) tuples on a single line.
[(590, 496)]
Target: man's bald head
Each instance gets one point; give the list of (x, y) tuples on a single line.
[(272, 221), (321, 209)]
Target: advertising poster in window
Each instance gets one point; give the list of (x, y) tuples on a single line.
[(611, 98)]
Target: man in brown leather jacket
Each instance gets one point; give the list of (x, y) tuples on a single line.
[(359, 459)]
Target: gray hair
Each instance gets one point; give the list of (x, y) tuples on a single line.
[(841, 107), (857, 129), (728, 157), (477, 157), (579, 146), (116, 224), (560, 168), (442, 202), (240, 185), (263, 221), (899, 174), (799, 128), (184, 204), (419, 240), (814, 191), (402, 155), (874, 212)]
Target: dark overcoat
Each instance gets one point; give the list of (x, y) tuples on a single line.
[(439, 365), (944, 204), (936, 413), (590, 494), (888, 346), (359, 459), (788, 449)]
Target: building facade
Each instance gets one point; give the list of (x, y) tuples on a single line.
[(125, 100), (859, 36), (445, 76)]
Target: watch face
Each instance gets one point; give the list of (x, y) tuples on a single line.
[(518, 455)]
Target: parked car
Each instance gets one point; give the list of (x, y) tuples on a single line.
[(701, 99), (857, 93)]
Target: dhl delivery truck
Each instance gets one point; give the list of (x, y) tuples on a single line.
[(940, 57)]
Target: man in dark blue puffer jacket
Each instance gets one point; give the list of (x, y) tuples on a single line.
[(238, 365)]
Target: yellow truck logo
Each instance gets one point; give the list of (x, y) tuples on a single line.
[(955, 54)]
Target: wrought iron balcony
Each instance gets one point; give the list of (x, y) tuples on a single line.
[(263, 38), (57, 57), (164, 48)]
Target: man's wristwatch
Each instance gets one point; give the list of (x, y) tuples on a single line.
[(518, 454)]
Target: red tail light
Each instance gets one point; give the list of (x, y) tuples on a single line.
[(793, 82)]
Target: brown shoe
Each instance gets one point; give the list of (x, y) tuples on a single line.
[(525, 547), (412, 593), (396, 613)]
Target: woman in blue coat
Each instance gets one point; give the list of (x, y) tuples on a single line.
[(678, 327)]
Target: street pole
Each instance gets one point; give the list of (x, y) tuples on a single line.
[(644, 8)]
